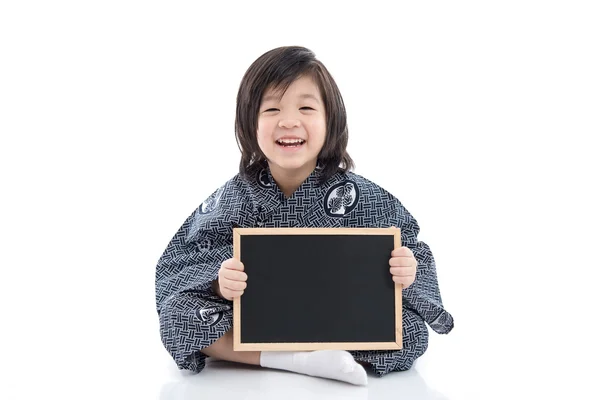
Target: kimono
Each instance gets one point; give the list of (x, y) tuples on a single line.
[(193, 317)]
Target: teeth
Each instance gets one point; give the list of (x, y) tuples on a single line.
[(290, 141)]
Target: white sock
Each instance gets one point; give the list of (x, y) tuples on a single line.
[(331, 364)]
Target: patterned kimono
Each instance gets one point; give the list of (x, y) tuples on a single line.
[(192, 316)]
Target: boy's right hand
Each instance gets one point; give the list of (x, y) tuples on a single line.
[(232, 279)]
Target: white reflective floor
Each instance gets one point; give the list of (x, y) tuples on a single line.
[(226, 381), (470, 363), (440, 374)]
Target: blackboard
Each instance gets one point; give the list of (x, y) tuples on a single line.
[(317, 288)]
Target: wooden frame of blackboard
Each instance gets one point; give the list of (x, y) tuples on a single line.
[(239, 346)]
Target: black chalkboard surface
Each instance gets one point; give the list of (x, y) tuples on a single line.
[(317, 288)]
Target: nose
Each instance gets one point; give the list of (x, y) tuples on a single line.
[(289, 123)]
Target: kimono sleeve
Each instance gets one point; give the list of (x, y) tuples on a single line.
[(191, 315), (423, 296)]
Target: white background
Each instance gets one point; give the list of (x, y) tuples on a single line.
[(116, 121)]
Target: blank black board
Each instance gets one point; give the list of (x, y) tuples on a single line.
[(317, 288)]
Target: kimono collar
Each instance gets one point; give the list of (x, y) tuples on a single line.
[(268, 196)]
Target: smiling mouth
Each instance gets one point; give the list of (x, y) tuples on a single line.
[(290, 142)]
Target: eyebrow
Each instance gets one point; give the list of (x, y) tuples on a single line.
[(302, 96)]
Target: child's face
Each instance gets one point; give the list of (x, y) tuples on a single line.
[(298, 117)]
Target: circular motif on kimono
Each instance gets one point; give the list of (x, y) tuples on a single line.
[(208, 315), (204, 244), (341, 199), (212, 201), (263, 179)]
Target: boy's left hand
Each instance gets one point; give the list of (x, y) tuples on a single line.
[(403, 266)]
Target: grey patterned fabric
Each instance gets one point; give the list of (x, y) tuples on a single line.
[(192, 316)]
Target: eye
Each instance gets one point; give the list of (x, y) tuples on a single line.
[(271, 109), (307, 108)]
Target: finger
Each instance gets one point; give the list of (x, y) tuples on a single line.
[(402, 252), (402, 271), (233, 285), (234, 264), (234, 275), (232, 294), (402, 262)]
